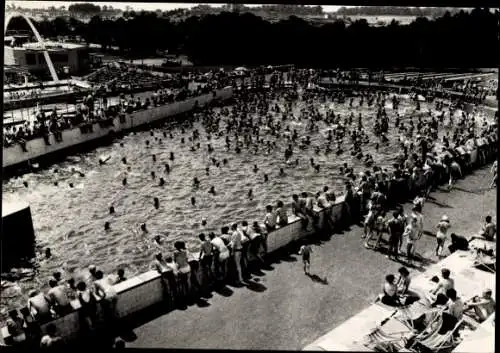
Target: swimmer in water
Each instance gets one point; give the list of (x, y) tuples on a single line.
[(154, 157), (207, 170), (124, 160), (224, 161), (147, 142), (266, 178), (143, 228), (121, 144), (124, 181), (316, 167), (71, 185), (203, 221), (172, 156), (193, 201), (212, 190), (111, 210), (282, 172), (250, 194), (107, 226), (167, 168), (162, 182), (156, 203), (25, 183), (48, 253), (153, 174), (196, 182), (56, 183), (182, 139), (81, 174), (255, 168)]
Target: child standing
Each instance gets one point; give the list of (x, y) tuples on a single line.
[(441, 235), (305, 251)]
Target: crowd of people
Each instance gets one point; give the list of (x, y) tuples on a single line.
[(88, 289), (92, 109), (426, 160)]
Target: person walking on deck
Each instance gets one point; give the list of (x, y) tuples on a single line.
[(305, 251)]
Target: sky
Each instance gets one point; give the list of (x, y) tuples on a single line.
[(134, 5)]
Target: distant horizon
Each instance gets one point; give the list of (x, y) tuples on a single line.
[(137, 5)]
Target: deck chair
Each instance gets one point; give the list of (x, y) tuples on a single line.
[(489, 266), (432, 328), (436, 342), (381, 341)]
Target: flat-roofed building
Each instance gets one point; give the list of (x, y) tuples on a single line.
[(67, 58)]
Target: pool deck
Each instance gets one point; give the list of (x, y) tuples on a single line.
[(282, 308)]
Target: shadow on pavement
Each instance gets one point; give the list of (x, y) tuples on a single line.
[(317, 279), (225, 291), (256, 287), (439, 204)]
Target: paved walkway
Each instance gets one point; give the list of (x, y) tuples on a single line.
[(285, 309)]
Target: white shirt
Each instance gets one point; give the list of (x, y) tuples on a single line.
[(107, 287), (271, 218), (218, 243)]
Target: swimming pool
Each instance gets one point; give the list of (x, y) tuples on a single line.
[(71, 220)]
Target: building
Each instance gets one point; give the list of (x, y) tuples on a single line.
[(67, 58)]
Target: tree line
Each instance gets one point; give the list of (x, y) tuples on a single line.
[(465, 38), (396, 11)]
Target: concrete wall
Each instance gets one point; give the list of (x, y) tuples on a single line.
[(36, 148)]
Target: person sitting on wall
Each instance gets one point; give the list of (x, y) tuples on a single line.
[(120, 276), (39, 306), (281, 213), (58, 298), (270, 218)]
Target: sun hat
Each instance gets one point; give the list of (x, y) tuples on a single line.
[(445, 218)]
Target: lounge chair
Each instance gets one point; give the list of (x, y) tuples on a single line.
[(436, 342), (485, 263), (382, 341)]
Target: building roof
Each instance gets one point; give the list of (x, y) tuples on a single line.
[(53, 45)]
